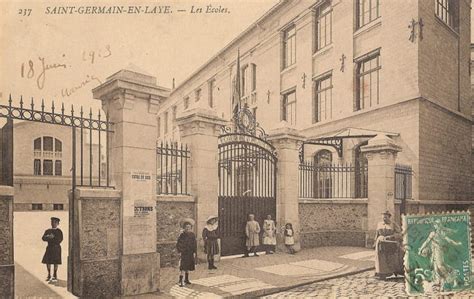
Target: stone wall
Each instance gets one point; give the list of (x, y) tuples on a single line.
[(333, 222), (95, 263), (169, 211), (7, 270)]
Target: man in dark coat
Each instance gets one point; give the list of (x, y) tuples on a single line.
[(52, 256), (187, 248)]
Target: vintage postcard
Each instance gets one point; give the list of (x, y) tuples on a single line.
[(235, 148)]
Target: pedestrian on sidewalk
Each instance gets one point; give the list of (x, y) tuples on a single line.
[(289, 238), (210, 235), (187, 248), (252, 231), (388, 248), (269, 235), (52, 255)]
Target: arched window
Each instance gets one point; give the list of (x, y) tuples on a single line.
[(322, 185), (47, 156), (323, 157)]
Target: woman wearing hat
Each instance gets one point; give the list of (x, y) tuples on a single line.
[(52, 256), (187, 247), (210, 235), (388, 248)]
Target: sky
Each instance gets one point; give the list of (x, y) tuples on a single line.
[(82, 50)]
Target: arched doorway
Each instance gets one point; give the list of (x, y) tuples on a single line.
[(322, 186)]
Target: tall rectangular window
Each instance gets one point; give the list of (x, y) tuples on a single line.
[(186, 103), (58, 168), (175, 112), (243, 80), (445, 11), (367, 11), (197, 94), (166, 123), (253, 68), (323, 25), (289, 46), (322, 102), (211, 92), (37, 167), (367, 82), (288, 107), (47, 167)]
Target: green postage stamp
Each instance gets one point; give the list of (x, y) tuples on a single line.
[(437, 253)]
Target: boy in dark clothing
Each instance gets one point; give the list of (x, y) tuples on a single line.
[(52, 256)]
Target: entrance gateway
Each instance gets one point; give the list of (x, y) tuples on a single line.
[(247, 180)]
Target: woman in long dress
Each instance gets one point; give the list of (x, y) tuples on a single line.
[(210, 235), (269, 235), (187, 247), (388, 248), (252, 231)]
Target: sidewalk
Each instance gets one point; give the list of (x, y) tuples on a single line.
[(267, 274)]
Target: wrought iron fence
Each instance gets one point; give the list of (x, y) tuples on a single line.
[(90, 149), (172, 168), (332, 180), (403, 181)]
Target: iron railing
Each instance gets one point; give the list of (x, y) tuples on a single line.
[(172, 168), (332, 180), (403, 181), (92, 150)]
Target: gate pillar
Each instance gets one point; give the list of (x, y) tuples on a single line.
[(381, 153), (199, 129), (7, 266), (287, 141), (131, 101)]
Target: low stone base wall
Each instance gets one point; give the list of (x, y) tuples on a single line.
[(333, 238), (170, 210), (333, 222)]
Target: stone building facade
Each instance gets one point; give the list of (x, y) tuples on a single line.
[(329, 68), (42, 165)]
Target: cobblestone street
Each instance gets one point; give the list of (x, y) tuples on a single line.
[(362, 285)]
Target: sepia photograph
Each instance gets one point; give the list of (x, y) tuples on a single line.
[(236, 149)]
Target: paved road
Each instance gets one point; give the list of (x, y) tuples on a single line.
[(362, 285)]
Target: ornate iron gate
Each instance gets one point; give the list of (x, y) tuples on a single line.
[(247, 184)]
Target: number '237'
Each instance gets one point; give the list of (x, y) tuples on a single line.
[(25, 12)]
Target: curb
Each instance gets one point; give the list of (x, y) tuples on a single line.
[(266, 292)]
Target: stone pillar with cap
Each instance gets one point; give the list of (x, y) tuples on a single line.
[(131, 100), (287, 142), (199, 129), (381, 152)]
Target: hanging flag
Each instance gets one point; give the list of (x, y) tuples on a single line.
[(236, 93)]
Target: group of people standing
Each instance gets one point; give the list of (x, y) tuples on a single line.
[(252, 233), (187, 243)]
